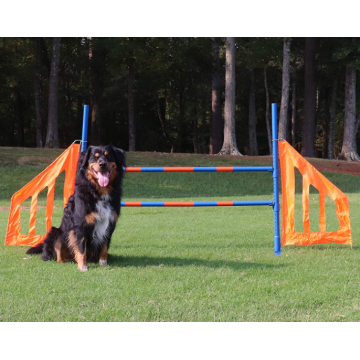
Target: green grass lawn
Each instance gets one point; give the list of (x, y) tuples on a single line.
[(184, 264)]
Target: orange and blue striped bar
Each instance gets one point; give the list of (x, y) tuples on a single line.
[(200, 169), (196, 203)]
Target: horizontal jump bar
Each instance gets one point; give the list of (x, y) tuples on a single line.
[(199, 169), (197, 203)]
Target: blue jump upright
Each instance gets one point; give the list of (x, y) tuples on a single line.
[(85, 128), (274, 170), (275, 174)]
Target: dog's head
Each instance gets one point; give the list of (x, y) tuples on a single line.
[(102, 164)]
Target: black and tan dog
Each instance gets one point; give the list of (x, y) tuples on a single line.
[(92, 211)]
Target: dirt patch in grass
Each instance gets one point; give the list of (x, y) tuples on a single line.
[(33, 160), (32, 156), (336, 166), (7, 208)]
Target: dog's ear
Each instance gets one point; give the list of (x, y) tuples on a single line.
[(119, 156), (84, 158)]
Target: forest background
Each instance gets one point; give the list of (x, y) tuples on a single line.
[(167, 94)]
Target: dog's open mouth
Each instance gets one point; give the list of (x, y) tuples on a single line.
[(102, 176)]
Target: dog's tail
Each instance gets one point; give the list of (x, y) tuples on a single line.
[(47, 247), (36, 249)]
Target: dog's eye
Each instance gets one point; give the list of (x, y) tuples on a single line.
[(106, 153), (97, 155)]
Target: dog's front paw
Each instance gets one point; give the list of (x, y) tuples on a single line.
[(83, 268), (103, 262)]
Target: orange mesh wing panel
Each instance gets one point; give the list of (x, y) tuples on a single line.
[(289, 159), (66, 161)]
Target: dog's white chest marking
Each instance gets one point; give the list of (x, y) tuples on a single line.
[(105, 214)]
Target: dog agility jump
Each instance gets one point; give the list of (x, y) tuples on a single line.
[(275, 174), (289, 159)]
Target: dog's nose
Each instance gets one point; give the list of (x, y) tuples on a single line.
[(102, 164)]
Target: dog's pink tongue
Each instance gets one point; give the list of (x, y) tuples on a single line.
[(103, 178)]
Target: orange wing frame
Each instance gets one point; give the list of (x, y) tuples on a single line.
[(66, 161), (290, 158)]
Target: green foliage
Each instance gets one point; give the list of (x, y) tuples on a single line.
[(260, 52), (173, 71)]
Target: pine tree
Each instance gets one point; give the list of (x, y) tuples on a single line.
[(229, 145)]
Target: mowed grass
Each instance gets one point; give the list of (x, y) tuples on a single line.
[(184, 264)]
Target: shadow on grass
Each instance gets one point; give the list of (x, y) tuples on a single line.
[(146, 261), (235, 247), (321, 247)]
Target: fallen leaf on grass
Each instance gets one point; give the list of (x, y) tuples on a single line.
[(243, 273), (28, 258)]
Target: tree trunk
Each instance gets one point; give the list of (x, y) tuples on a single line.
[(293, 110), (195, 129), (325, 125), (252, 116), (70, 128), (79, 111), (160, 105), (97, 57), (348, 150), (38, 92), (94, 131), (52, 136), (179, 139), (19, 107), (161, 110), (309, 123), (331, 148), (229, 145), (131, 107), (216, 118), (283, 120), (267, 112)]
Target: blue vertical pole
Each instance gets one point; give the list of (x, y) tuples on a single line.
[(85, 128), (277, 246)]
